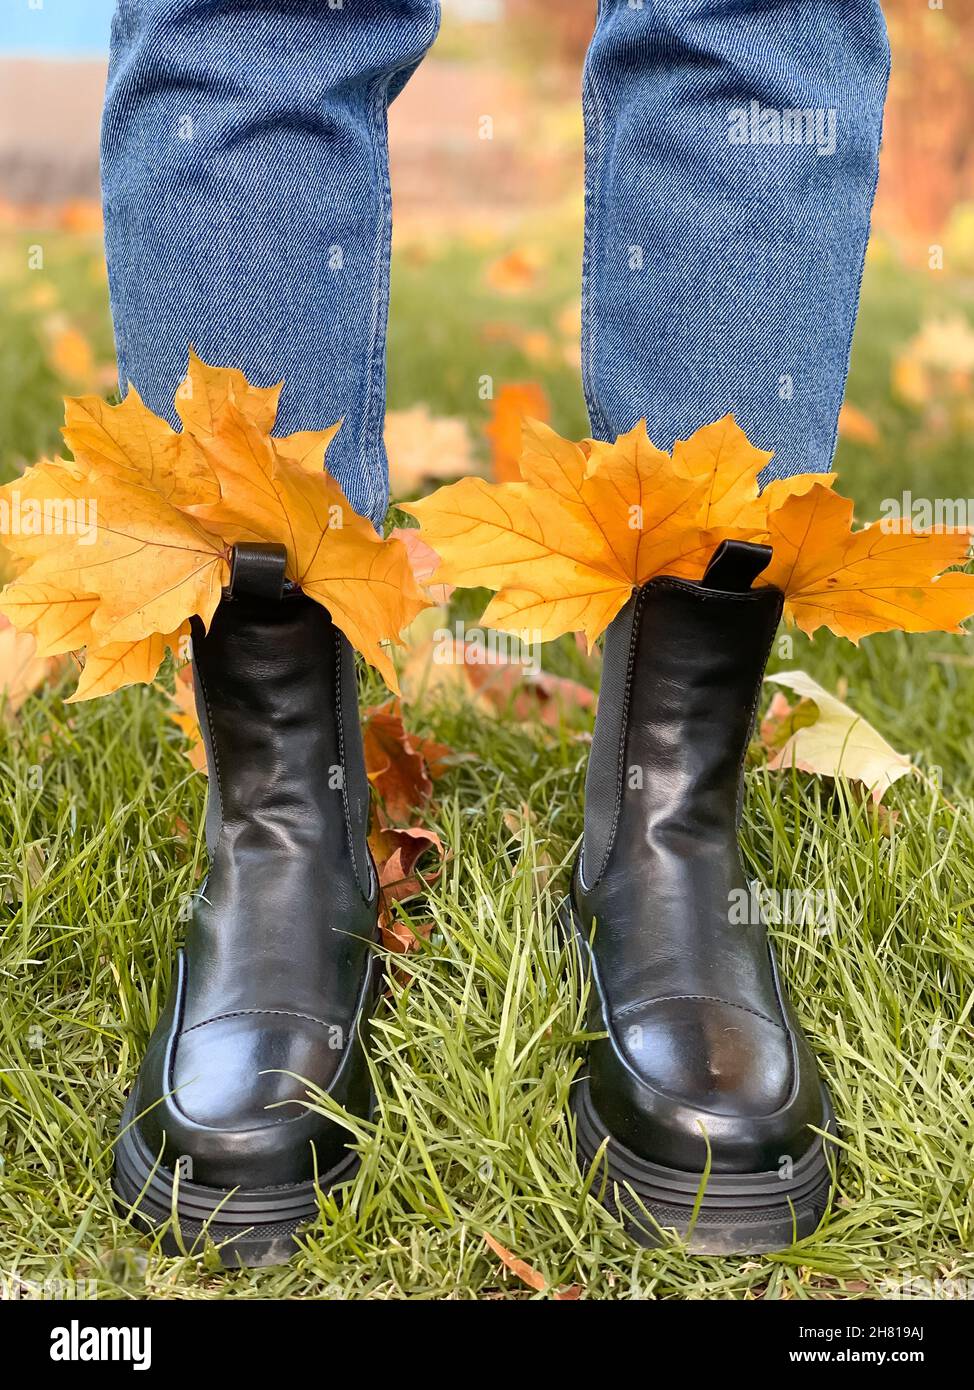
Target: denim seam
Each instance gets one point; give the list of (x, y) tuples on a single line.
[(373, 414), (375, 382), (594, 133), (865, 245)]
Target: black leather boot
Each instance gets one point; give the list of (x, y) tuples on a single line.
[(703, 1062), (278, 977)]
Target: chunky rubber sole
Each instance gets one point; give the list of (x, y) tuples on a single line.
[(738, 1213), (249, 1228)]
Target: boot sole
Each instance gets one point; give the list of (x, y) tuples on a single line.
[(737, 1213), (249, 1229)]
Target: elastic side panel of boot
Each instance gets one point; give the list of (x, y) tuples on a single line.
[(214, 807), (356, 781), (603, 782)]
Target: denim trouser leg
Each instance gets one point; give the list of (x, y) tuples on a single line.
[(732, 150), (246, 189)]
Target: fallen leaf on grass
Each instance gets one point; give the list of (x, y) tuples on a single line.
[(838, 742), (855, 425), (401, 766), (783, 720), (513, 404), (81, 216), (937, 364), (519, 1268), (32, 862), (539, 698), (71, 356), (522, 827), (399, 937), (495, 684), (516, 272), (421, 446), (397, 853)]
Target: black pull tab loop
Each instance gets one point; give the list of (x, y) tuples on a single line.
[(257, 571), (735, 565)]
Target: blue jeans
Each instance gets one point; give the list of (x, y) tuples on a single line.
[(731, 160)]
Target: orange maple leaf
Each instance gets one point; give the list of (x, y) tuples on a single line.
[(590, 522), (514, 403), (877, 579), (165, 507)]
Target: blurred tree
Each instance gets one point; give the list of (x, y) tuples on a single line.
[(563, 28), (927, 166)]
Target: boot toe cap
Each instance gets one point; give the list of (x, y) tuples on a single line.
[(718, 1056), (252, 1071), (689, 1082), (226, 1102)]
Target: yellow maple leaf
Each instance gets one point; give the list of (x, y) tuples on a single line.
[(128, 441), (159, 511), (589, 523), (150, 565), (650, 509), (58, 619), (734, 504), (723, 456), (307, 448), (553, 573), (335, 555), (872, 580), (109, 667), (205, 390)]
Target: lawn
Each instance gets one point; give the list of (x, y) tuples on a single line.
[(481, 1032)]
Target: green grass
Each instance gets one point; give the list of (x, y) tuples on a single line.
[(481, 1032), (480, 1035)]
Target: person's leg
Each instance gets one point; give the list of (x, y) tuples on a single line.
[(247, 212), (732, 157), (732, 150), (246, 190)]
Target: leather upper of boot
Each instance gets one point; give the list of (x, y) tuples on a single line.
[(701, 1039), (277, 976)]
